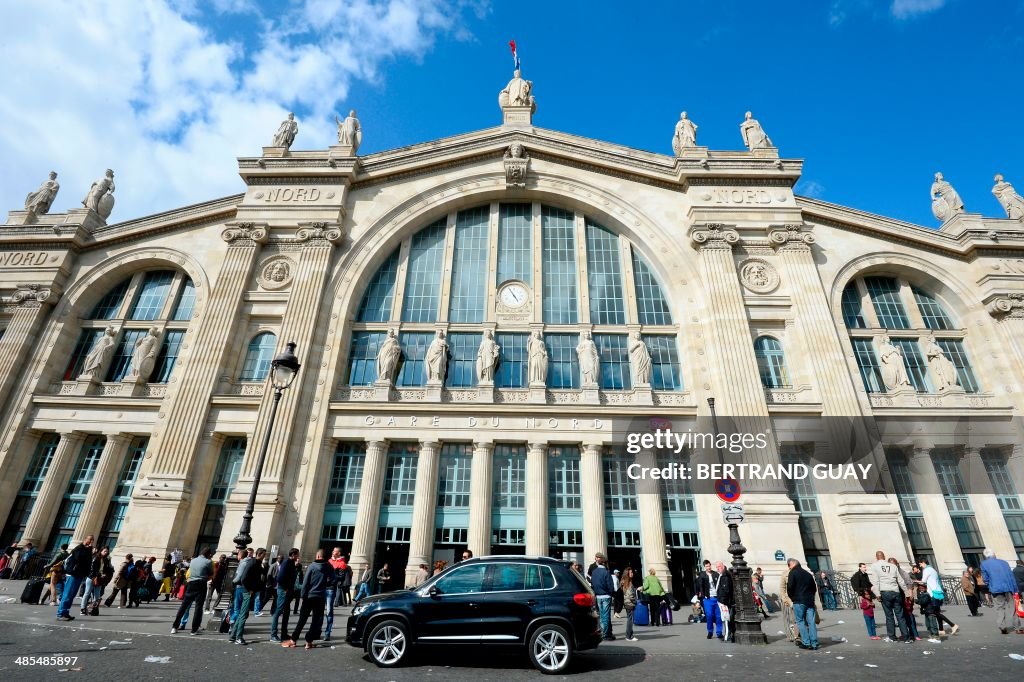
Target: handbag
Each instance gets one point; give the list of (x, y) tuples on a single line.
[(1019, 605)]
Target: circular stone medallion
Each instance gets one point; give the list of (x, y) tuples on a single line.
[(759, 276), (276, 273)]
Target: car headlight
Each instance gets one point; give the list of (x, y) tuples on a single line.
[(359, 608)]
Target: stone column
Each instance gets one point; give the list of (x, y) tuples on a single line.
[(595, 525), (987, 513), (28, 306), (421, 536), (161, 500), (537, 499), (54, 486), (652, 523), (367, 516), (858, 515), (949, 559), (304, 302), (481, 493), (1015, 466), (104, 482)]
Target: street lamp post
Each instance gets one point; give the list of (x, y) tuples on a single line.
[(747, 621), (283, 370)]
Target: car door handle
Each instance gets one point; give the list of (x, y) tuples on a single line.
[(472, 605), (531, 602)]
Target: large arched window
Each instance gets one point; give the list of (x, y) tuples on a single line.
[(258, 357), (771, 362), (160, 299), (878, 305), (512, 267)]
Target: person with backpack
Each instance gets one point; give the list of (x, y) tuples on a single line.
[(100, 573), (55, 576), (122, 582), (200, 573), (286, 578), (77, 566), (166, 578)]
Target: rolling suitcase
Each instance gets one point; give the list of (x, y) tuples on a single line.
[(641, 614), (33, 590), (666, 613)]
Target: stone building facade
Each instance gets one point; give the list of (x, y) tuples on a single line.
[(783, 308)]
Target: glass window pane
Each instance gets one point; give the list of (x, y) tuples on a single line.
[(604, 276), (411, 369), (954, 350), (400, 478), (853, 313), (917, 368), (619, 488), (564, 477), (558, 237), (464, 580), (152, 295), (867, 361), (507, 578), (563, 364), (932, 312), (665, 372), (380, 292), (771, 362), (885, 295), (86, 340), (462, 350), (469, 266), (258, 357), (165, 361), (423, 280), (453, 484), (122, 359), (515, 243), (110, 305), (651, 306), (347, 474), (613, 351), (186, 301), (362, 364), (509, 477), (513, 362)]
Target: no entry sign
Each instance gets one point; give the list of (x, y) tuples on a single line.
[(728, 489)]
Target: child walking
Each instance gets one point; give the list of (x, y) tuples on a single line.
[(908, 615), (867, 607)]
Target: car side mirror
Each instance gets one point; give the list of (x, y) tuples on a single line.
[(434, 592)]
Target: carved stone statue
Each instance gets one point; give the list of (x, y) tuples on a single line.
[(144, 358), (487, 357), (39, 202), (387, 357), (685, 135), (639, 360), (946, 203), (437, 358), (943, 369), (894, 372), (590, 361), (516, 160), (753, 134), (538, 352), (100, 352), (518, 92), (101, 196), (286, 132), (1012, 202), (350, 133)]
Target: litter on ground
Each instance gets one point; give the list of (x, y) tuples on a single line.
[(1016, 657), (157, 659), (870, 665)]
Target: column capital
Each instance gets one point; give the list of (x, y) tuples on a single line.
[(972, 451), (318, 233), (593, 448), (921, 451), (424, 444), (713, 236), (1006, 305), (117, 437), (245, 233), (538, 446), (482, 445), (35, 295), (791, 236), (376, 444)]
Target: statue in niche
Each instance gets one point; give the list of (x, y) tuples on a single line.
[(894, 372), (487, 357), (437, 358), (538, 353), (144, 358), (946, 202), (286, 132), (518, 92), (753, 134), (101, 196), (388, 356), (942, 368), (39, 202), (350, 133), (639, 360), (1011, 202), (590, 361), (100, 352), (685, 134)]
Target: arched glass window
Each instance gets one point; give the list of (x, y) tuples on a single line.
[(771, 362), (909, 315), (258, 357), (163, 300), (452, 275)]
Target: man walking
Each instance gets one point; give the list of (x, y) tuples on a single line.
[(801, 589), (363, 590), (286, 575), (604, 590), (318, 579), (77, 566), (1002, 585), (249, 576), (934, 586), (707, 590), (726, 600), (336, 564), (200, 571), (890, 583)]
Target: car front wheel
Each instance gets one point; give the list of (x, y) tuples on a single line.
[(550, 649), (388, 643)]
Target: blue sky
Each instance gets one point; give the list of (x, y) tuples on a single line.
[(875, 96)]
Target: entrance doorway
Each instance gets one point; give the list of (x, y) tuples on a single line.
[(620, 557), (396, 556), (682, 565)]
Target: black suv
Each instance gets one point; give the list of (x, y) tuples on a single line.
[(534, 601)]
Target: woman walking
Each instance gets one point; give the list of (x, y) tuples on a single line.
[(123, 582), (654, 592), (100, 574), (969, 585), (628, 601)]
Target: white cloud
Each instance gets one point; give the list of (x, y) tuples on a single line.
[(810, 188), (144, 88), (908, 9)]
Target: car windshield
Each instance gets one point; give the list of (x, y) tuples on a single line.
[(584, 583)]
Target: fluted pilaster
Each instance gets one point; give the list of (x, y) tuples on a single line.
[(421, 537), (537, 499), (28, 307), (480, 494), (370, 490), (948, 557)]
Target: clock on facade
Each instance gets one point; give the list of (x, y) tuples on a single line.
[(514, 295)]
